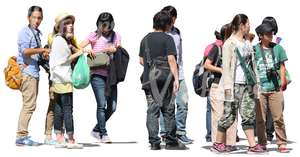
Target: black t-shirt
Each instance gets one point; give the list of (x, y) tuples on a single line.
[(160, 44), (213, 56)]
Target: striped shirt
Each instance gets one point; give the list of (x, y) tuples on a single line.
[(100, 44)]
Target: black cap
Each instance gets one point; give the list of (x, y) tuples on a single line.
[(264, 28)]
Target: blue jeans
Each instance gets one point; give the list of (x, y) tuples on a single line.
[(106, 106), (153, 114), (208, 119), (63, 113), (181, 113)]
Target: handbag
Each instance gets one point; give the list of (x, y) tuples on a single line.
[(99, 60)]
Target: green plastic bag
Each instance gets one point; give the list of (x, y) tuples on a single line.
[(81, 73)]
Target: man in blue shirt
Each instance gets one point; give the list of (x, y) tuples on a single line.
[(182, 95), (30, 51)]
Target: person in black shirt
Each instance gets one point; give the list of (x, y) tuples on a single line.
[(213, 63), (159, 44)]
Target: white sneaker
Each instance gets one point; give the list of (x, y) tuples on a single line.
[(96, 135), (74, 146), (60, 145), (105, 139)]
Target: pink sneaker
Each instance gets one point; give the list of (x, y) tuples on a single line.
[(257, 149), (218, 148)]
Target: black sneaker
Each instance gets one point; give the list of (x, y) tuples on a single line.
[(176, 146), (155, 146), (237, 139), (208, 139), (270, 138), (184, 139)]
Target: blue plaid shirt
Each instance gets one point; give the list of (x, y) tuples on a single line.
[(26, 40)]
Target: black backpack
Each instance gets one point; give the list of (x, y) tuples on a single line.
[(202, 78)]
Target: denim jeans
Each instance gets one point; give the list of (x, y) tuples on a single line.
[(106, 106), (153, 114), (208, 119), (63, 113), (181, 112)]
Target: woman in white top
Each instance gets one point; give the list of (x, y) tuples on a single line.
[(61, 56), (238, 85)]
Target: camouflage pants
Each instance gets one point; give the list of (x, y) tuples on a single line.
[(244, 102)]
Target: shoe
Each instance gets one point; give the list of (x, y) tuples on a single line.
[(26, 141), (231, 148), (74, 146), (237, 139), (283, 150), (96, 135), (176, 146), (105, 139), (257, 149), (163, 139), (60, 145), (49, 141), (208, 139), (218, 148), (155, 146), (270, 138), (263, 146), (184, 139)]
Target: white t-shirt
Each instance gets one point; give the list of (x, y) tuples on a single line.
[(245, 49)]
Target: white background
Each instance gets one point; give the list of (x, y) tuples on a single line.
[(197, 21)]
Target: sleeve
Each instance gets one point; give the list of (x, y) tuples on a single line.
[(282, 57), (91, 37), (24, 40), (213, 54), (228, 49), (142, 48), (170, 46)]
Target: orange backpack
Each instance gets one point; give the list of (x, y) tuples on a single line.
[(13, 74)]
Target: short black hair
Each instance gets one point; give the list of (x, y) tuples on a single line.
[(162, 20), (171, 10), (272, 21), (34, 8), (263, 29)]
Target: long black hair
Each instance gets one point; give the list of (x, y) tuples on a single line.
[(224, 33), (105, 19), (237, 20)]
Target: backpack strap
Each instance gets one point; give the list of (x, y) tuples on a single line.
[(250, 76), (147, 51), (153, 75), (219, 54)]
